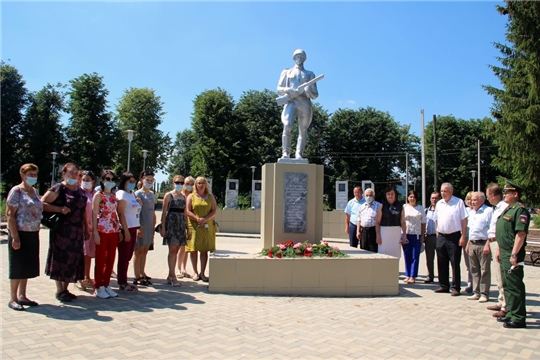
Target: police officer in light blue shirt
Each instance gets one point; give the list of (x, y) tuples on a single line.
[(351, 215)]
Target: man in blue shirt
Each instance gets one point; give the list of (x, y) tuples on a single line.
[(351, 215), (478, 247)]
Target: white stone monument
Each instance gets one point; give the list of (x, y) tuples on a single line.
[(231, 193), (342, 194), (367, 184), (256, 190)]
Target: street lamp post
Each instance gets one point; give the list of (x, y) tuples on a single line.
[(473, 172), (144, 155), (252, 179), (54, 153), (130, 138)]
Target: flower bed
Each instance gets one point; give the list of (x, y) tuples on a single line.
[(289, 249)]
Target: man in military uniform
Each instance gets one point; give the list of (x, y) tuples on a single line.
[(511, 234)]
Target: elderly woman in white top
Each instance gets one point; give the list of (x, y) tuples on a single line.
[(415, 220)]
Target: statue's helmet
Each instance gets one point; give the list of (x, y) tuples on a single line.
[(299, 52)]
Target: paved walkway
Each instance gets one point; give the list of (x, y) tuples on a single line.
[(161, 322)]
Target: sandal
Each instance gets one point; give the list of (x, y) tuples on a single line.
[(80, 285), (179, 274), (172, 280), (128, 287), (185, 273), (147, 280), (88, 283), (204, 278), (195, 277), (411, 280)]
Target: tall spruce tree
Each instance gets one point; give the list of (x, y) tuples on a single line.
[(517, 105)]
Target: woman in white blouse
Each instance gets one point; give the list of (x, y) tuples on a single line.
[(415, 220)]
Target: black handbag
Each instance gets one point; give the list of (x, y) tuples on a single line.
[(53, 220)]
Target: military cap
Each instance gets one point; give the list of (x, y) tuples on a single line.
[(510, 186)]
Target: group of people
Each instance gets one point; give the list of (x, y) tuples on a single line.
[(491, 239), (100, 217)]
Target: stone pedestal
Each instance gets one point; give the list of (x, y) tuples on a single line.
[(292, 203)]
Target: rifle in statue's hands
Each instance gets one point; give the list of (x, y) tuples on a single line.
[(284, 99)]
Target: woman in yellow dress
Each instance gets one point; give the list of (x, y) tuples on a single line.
[(201, 209)]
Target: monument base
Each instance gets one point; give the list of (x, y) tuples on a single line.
[(362, 274), (292, 203), (292, 161)]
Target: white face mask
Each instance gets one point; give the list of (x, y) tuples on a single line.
[(86, 185), (369, 199)]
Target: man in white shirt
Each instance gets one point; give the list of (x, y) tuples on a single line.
[(351, 215), (367, 219), (451, 225), (494, 195), (478, 247)]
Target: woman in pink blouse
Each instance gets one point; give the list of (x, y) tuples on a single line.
[(24, 209)]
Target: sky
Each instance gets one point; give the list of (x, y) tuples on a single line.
[(398, 57)]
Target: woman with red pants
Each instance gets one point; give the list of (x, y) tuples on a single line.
[(106, 232), (129, 210)]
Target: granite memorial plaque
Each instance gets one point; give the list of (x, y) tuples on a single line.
[(295, 202)]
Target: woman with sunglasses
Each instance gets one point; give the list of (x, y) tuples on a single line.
[(181, 272), (145, 236), (174, 225), (129, 210), (201, 209), (65, 260), (106, 230), (87, 183)]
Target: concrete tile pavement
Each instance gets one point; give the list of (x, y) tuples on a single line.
[(164, 322)]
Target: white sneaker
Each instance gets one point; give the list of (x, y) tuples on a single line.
[(110, 292), (101, 293), (474, 297), (483, 299)]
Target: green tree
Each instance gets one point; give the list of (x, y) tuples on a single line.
[(220, 143), (260, 114), (517, 105), (141, 110), (93, 138), (182, 154), (365, 144), (42, 131), (14, 97), (457, 153)]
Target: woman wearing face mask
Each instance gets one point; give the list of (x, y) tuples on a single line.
[(174, 225), (23, 211), (129, 210), (106, 229), (88, 181), (145, 237), (390, 226), (65, 260), (415, 219), (181, 271)]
